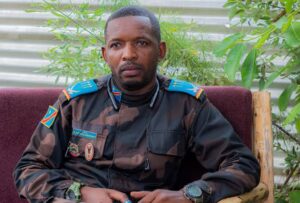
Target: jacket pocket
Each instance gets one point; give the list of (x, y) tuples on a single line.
[(166, 150), (170, 143)]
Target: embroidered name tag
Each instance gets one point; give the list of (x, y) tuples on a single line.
[(49, 117), (84, 133)]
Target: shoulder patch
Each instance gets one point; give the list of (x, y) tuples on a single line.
[(80, 88), (185, 87), (49, 117)]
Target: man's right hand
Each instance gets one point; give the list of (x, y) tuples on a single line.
[(101, 195)]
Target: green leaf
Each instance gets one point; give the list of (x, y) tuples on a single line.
[(233, 12), (285, 96), (233, 60), (261, 84), (280, 201), (297, 123), (249, 69), (227, 43), (229, 4), (289, 5), (288, 23), (165, 63), (265, 36), (282, 21), (294, 196), (273, 76), (294, 114), (292, 36)]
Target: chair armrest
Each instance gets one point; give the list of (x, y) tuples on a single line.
[(257, 194)]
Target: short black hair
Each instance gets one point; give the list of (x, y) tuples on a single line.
[(136, 11)]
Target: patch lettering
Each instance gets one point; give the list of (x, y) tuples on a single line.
[(84, 133)]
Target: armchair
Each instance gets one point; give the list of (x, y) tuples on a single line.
[(22, 108)]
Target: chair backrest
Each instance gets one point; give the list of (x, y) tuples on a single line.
[(20, 112), (235, 103), (21, 109)]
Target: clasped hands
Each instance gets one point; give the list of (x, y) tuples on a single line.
[(102, 195)]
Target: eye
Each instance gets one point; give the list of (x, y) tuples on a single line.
[(142, 43), (114, 45)]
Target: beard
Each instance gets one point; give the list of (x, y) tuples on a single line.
[(132, 84)]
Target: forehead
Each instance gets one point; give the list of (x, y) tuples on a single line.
[(129, 25)]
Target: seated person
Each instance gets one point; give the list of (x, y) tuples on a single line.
[(122, 137)]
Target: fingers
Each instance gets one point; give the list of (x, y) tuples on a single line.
[(144, 196), (116, 195), (139, 195)]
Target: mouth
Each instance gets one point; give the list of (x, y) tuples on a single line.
[(130, 70)]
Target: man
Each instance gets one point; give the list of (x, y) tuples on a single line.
[(123, 137)]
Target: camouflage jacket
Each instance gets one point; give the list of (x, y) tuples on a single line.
[(95, 138)]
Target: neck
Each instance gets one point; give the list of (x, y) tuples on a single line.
[(145, 89)]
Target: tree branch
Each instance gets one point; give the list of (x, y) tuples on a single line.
[(290, 174), (282, 13), (286, 133)]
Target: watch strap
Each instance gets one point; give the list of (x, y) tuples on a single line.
[(75, 189), (206, 190)]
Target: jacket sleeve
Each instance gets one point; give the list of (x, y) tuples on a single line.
[(232, 168), (37, 175)]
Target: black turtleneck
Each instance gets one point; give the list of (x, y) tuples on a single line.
[(136, 100)]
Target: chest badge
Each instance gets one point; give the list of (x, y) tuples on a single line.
[(89, 151), (73, 150)]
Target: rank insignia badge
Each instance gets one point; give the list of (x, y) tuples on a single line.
[(73, 149), (185, 87), (80, 88), (89, 151), (50, 116)]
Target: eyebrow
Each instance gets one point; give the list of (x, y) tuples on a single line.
[(137, 38)]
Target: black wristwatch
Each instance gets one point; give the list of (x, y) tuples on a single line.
[(73, 192), (194, 193)]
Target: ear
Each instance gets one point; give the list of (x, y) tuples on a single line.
[(103, 50), (162, 50)]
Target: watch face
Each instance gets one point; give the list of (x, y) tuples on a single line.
[(194, 191), (71, 195)]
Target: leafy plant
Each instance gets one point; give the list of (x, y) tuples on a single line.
[(79, 29), (274, 36)]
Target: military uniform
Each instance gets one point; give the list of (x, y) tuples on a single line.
[(100, 137)]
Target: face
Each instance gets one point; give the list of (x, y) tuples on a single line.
[(132, 52)]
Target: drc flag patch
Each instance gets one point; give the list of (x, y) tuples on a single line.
[(80, 88), (50, 116), (185, 87), (117, 93)]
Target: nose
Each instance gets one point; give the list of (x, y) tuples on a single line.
[(129, 53)]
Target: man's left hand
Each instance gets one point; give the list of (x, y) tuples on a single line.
[(160, 196)]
